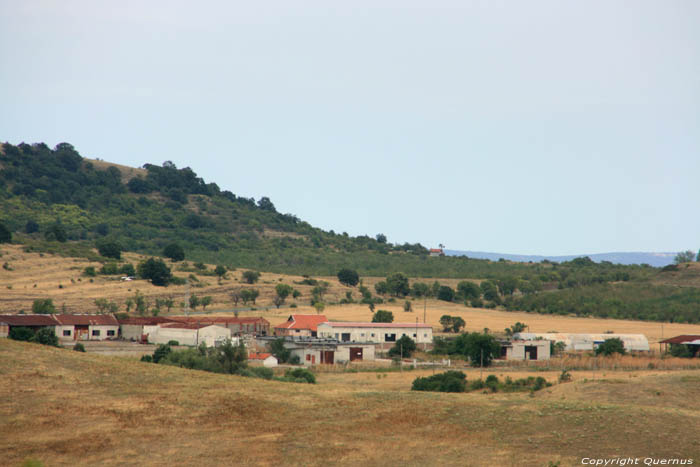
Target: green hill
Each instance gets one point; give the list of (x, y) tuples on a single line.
[(55, 200)]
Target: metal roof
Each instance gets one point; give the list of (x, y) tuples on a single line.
[(583, 341), (683, 339), (340, 324)]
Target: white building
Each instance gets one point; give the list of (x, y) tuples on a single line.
[(525, 350), (578, 341), (378, 333), (86, 327), (188, 334), (266, 359)]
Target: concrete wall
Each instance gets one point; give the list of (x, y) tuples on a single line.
[(132, 331), (58, 330), (378, 335), (341, 354), (208, 335), (517, 351), (104, 332)]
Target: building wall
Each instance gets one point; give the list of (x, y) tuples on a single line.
[(104, 331), (378, 335), (132, 331), (517, 351), (293, 332), (59, 331), (341, 354), (208, 335), (4, 330)]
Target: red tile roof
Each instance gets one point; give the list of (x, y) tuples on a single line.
[(186, 325), (145, 320), (436, 250), (258, 356), (302, 322), (87, 320), (341, 324), (29, 320), (681, 339), (218, 319)]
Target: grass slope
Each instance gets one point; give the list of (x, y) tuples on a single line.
[(66, 408)]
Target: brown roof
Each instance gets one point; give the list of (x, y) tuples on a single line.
[(681, 339), (258, 356), (302, 322), (218, 319), (87, 320), (28, 320), (146, 320), (185, 325)]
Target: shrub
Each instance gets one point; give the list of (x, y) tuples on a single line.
[(31, 227), (109, 269), (127, 269), (46, 336), (611, 346), (43, 306), (5, 234), (21, 334), (79, 347), (147, 358), (299, 375), (404, 346), (251, 277), (680, 350), (383, 316), (407, 306), (175, 252), (90, 271), (446, 293), (449, 381), (156, 271), (278, 349), (161, 352), (173, 343), (261, 372), (348, 277), (565, 376), (110, 249)]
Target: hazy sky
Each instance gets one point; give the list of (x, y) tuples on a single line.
[(533, 127)]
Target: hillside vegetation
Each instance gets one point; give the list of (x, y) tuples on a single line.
[(54, 200), (69, 408)]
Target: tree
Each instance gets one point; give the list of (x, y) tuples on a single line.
[(508, 285), (236, 295), (517, 327), (404, 346), (381, 288), (20, 333), (109, 249), (420, 289), (348, 277), (383, 316), (251, 277), (46, 336), (457, 323), (155, 270), (468, 290), (381, 238), (206, 301), (174, 251), (127, 269), (611, 346), (397, 284), (490, 291), (5, 234), (278, 349), (320, 306), (476, 346), (249, 295), (446, 322), (168, 303), (105, 306), (31, 227), (56, 232), (446, 293), (282, 292), (43, 306), (319, 291), (219, 270), (684, 257), (194, 301), (407, 306), (232, 358)]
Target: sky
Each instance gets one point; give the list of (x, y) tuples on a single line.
[(530, 127)]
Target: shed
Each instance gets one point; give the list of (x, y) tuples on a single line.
[(691, 341), (33, 322), (133, 328), (385, 334), (266, 359), (580, 341), (525, 350), (313, 350), (189, 334)]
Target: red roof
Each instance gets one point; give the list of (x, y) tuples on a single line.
[(302, 322), (28, 320), (436, 250), (87, 320), (258, 356), (218, 319), (340, 324), (186, 325), (146, 320), (681, 339)]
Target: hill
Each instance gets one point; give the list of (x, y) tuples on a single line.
[(66, 408), (55, 201), (658, 260)]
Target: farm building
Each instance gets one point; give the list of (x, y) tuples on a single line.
[(300, 326), (525, 350), (573, 341), (692, 342), (239, 326), (33, 322), (378, 333), (188, 334), (133, 328), (437, 252), (314, 350), (87, 327), (266, 359)]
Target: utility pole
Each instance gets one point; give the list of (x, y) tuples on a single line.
[(425, 305), (481, 368)]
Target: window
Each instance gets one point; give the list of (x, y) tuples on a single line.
[(389, 337), (414, 336), (362, 334), (66, 332), (372, 334), (308, 357), (96, 333), (425, 335), (110, 332), (337, 335)]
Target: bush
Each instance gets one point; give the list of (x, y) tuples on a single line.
[(446, 293), (404, 346), (79, 347), (251, 277), (261, 372), (5, 234), (299, 375), (110, 249), (109, 269), (449, 381), (127, 269), (31, 227), (46, 336), (43, 306), (90, 271), (278, 349), (21, 334), (348, 277), (383, 316), (175, 252), (156, 271), (173, 343), (161, 352), (611, 346), (680, 350), (147, 358)]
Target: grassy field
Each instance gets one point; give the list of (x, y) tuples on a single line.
[(66, 408)]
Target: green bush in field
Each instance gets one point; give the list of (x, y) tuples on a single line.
[(611, 346), (21, 334), (299, 375), (43, 306), (449, 381), (109, 249), (46, 336), (79, 347)]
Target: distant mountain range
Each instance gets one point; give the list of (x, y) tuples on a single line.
[(652, 259)]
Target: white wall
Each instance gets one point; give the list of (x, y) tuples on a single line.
[(208, 335), (363, 334)]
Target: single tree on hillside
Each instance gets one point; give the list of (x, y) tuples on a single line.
[(348, 277), (5, 234), (251, 277), (383, 316), (174, 251), (155, 270), (684, 257)]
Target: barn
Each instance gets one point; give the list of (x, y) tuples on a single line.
[(188, 334), (578, 341), (384, 334), (33, 322), (525, 350), (86, 327)]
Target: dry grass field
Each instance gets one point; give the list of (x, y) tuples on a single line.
[(34, 276), (67, 408)]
